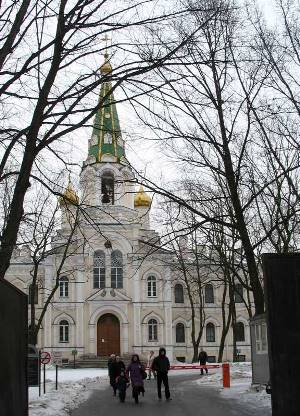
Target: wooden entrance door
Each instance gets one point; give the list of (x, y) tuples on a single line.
[(108, 335)]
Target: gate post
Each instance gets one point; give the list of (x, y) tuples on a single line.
[(13, 351), (226, 375), (282, 293)]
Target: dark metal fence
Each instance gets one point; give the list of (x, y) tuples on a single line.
[(13, 351)]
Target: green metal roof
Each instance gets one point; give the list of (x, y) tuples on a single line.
[(106, 136)]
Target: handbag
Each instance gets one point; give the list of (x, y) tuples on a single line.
[(144, 374)]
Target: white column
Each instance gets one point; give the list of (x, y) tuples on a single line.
[(84, 329), (168, 315), (47, 322), (137, 336), (79, 297), (125, 338), (92, 339)]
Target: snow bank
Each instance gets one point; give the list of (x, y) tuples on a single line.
[(74, 387), (241, 390), (70, 374)]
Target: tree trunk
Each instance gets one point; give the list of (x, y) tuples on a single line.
[(195, 352), (231, 180), (10, 233), (225, 321)]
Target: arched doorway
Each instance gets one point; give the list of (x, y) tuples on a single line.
[(108, 335)]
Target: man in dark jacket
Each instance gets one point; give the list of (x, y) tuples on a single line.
[(203, 360), (115, 368), (161, 365)]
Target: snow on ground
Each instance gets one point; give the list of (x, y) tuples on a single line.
[(74, 387), (77, 374), (240, 388)]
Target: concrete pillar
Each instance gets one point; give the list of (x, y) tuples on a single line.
[(137, 326), (167, 297), (47, 322)]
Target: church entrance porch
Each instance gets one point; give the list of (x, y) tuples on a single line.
[(108, 335)]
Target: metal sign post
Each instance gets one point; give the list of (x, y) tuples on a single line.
[(39, 373), (45, 358), (57, 361), (44, 365)]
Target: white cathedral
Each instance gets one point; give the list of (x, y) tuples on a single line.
[(116, 295)]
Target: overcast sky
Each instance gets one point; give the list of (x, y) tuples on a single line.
[(145, 156)]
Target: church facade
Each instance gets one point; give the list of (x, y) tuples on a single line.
[(118, 292)]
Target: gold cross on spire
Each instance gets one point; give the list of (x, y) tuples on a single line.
[(106, 67), (106, 39)]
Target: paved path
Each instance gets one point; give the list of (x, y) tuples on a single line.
[(189, 399)]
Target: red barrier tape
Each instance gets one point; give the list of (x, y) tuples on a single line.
[(225, 370), (192, 367)]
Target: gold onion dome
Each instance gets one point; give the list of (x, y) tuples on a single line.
[(106, 68), (142, 199), (69, 196)]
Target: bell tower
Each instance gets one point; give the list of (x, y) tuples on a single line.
[(106, 177), (106, 143)]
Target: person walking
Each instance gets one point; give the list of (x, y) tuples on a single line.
[(111, 373), (161, 365), (203, 360), (122, 382), (110, 360), (116, 367), (149, 365), (137, 373), (115, 370)]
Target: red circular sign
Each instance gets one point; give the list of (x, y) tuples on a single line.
[(45, 357)]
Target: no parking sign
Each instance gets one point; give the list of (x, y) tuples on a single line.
[(45, 357)]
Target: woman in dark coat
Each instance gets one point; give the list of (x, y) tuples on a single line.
[(136, 370), (115, 368), (112, 378)]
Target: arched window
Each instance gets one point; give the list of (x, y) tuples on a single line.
[(238, 293), (179, 293), (240, 332), (152, 330), (210, 332), (99, 269), (209, 294), (36, 294), (63, 287), (107, 188), (116, 269), (151, 283), (64, 331), (180, 333)]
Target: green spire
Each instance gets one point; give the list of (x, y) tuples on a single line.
[(106, 141)]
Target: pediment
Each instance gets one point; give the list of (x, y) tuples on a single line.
[(108, 294)]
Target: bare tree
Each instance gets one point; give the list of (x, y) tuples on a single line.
[(202, 115), (191, 271), (44, 238), (48, 77)]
